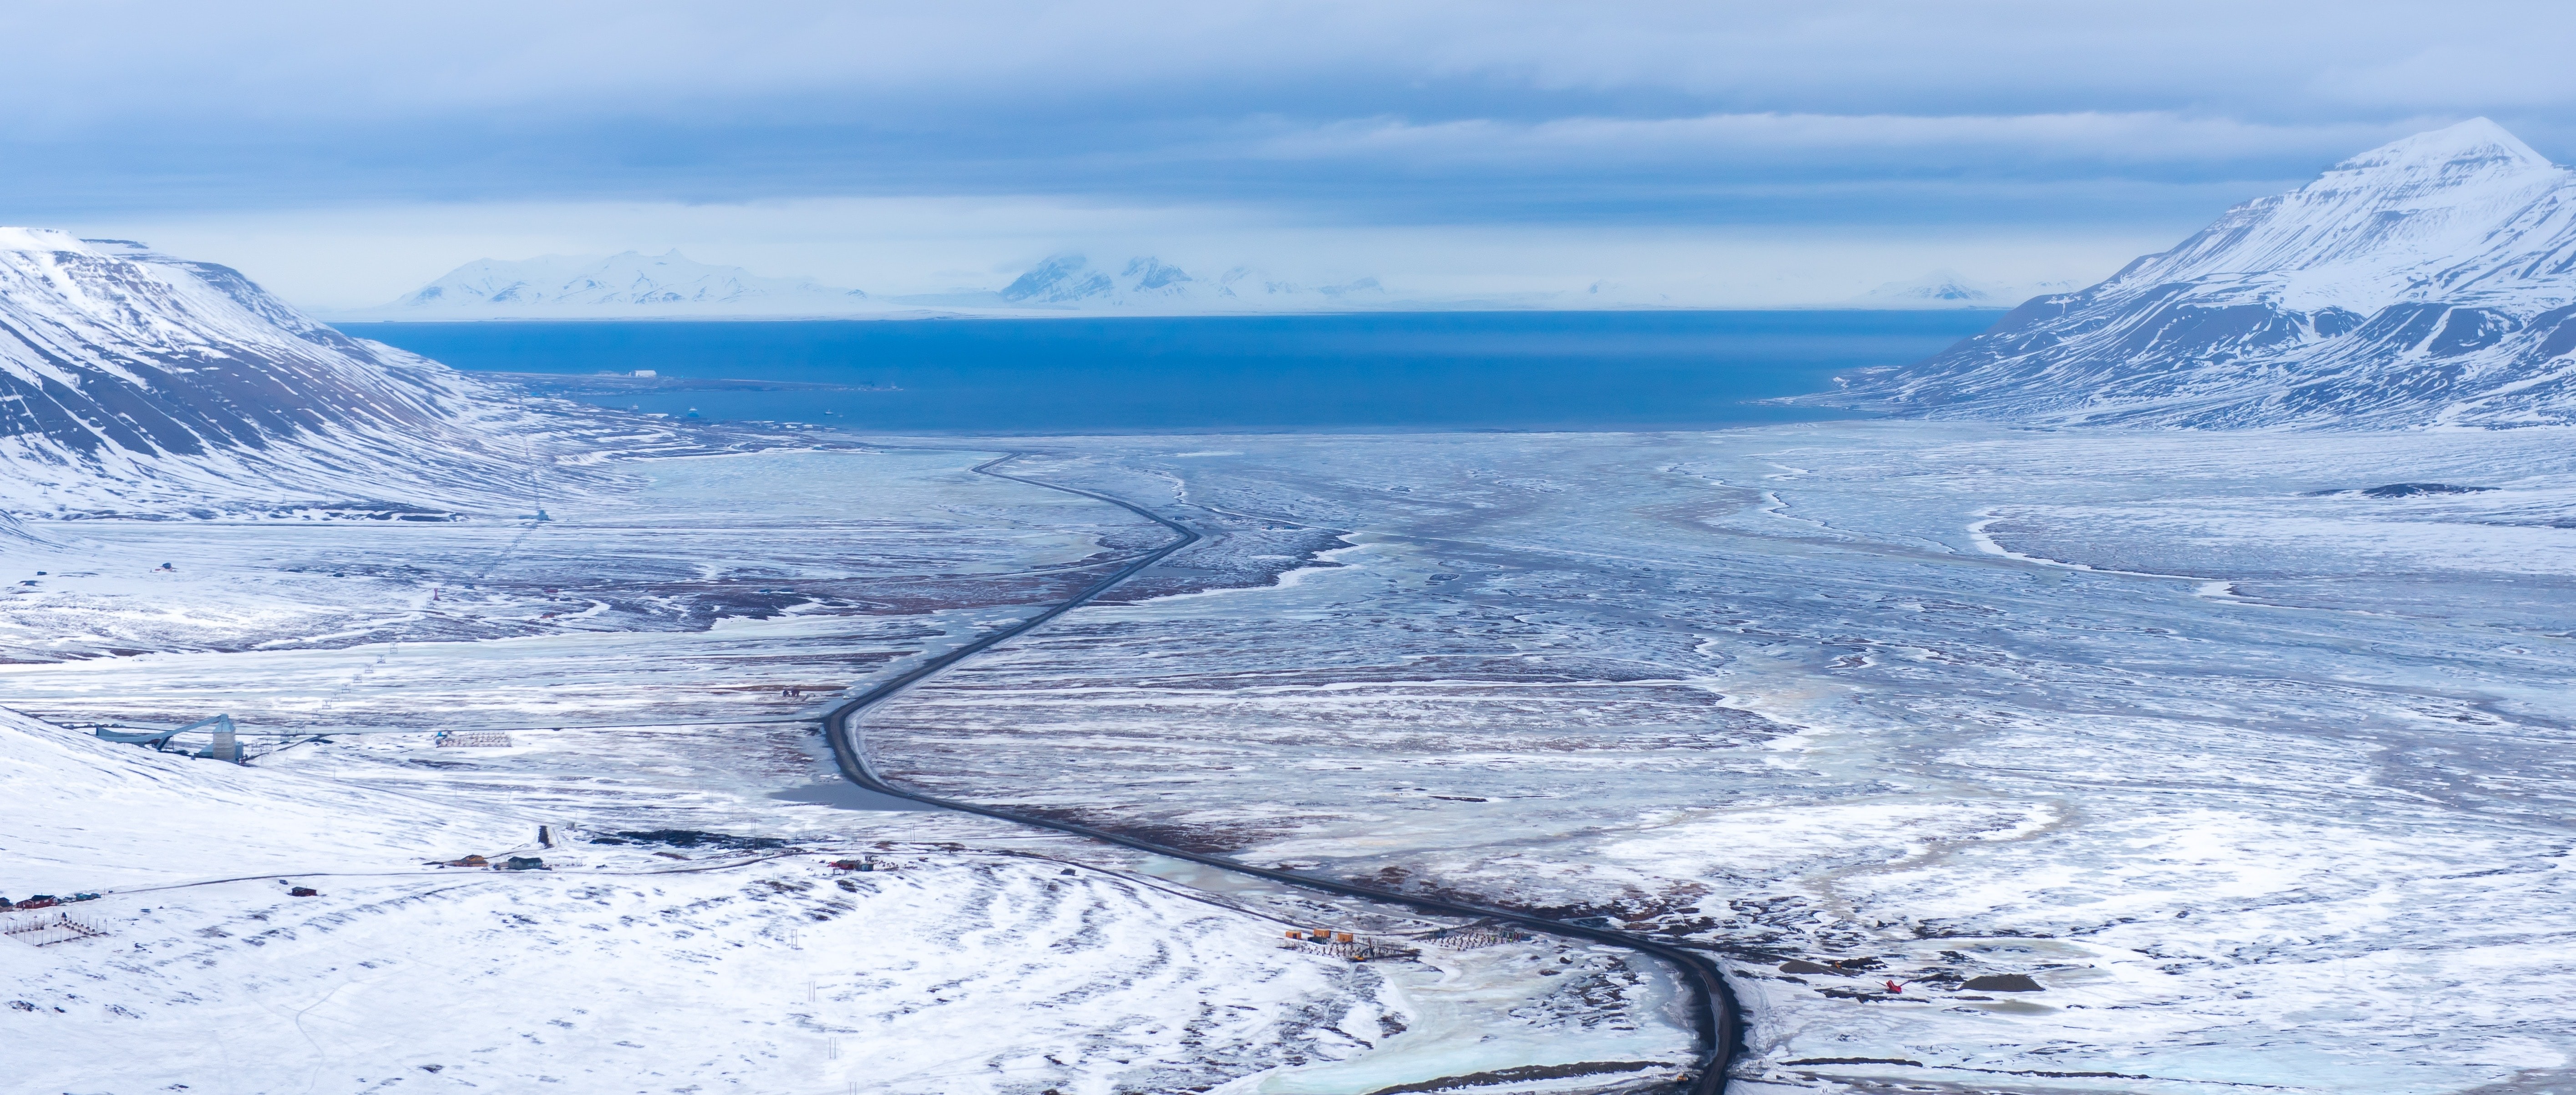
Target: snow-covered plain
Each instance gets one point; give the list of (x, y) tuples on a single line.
[(2262, 778), (662, 627), (1987, 760), (2257, 772)]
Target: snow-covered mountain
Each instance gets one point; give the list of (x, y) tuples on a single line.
[(2429, 281), (624, 286), (1147, 284), (636, 286), (1951, 289), (1939, 289), (132, 378)]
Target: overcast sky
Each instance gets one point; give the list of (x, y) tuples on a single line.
[(1692, 152)]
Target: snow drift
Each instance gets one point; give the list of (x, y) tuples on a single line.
[(84, 814)]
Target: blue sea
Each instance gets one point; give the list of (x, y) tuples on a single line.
[(1398, 372)]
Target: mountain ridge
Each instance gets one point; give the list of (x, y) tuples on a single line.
[(1946, 288), (625, 285), (130, 378), (2430, 281), (633, 285), (1067, 281)]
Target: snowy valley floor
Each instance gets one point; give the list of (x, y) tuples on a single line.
[(2259, 778), (684, 637), (2258, 774)]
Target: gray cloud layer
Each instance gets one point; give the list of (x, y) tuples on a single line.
[(1487, 111)]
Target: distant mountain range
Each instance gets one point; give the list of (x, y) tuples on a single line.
[(671, 285), (629, 285), (2431, 281), (1951, 289), (634, 286), (1070, 281)]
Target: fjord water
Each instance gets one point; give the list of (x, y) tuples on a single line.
[(1403, 372)]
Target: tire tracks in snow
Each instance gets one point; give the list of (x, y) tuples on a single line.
[(1713, 1005)]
